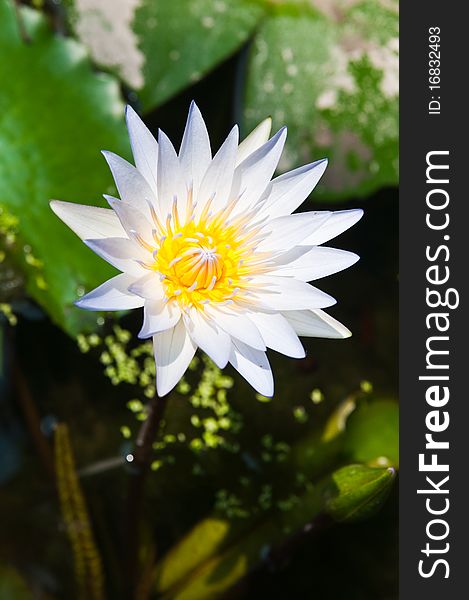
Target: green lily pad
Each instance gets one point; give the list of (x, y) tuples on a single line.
[(183, 40), (357, 491), (56, 116), (332, 78), (372, 434), (217, 553)]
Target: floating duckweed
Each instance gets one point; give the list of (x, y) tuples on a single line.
[(31, 260), (300, 414), (135, 406), (82, 342), (229, 504), (196, 444), (210, 395), (265, 497), (317, 396), (212, 440), (213, 414), (183, 387), (262, 398), (149, 392), (8, 313), (8, 226), (225, 423), (288, 503), (8, 233), (366, 387), (195, 421), (125, 432), (210, 425)]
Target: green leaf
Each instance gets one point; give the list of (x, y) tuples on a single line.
[(357, 491), (332, 79), (56, 115), (217, 553), (183, 40), (372, 434)]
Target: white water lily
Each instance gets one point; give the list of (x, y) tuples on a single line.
[(210, 250)]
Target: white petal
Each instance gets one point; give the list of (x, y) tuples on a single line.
[(111, 295), (287, 192), (144, 147), (339, 222), (286, 293), (148, 286), (131, 185), (253, 366), (121, 253), (88, 221), (254, 140), (316, 262), (210, 338), (158, 315), (253, 175), (286, 232), (195, 153), (132, 219), (316, 323), (174, 350), (237, 325), (171, 182), (219, 176), (278, 334)]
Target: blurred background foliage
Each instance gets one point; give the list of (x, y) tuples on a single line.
[(246, 497)]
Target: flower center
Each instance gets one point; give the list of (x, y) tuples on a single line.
[(197, 265), (205, 258)]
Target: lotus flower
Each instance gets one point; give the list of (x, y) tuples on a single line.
[(210, 249)]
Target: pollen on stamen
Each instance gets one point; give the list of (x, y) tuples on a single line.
[(155, 218), (145, 265), (138, 238), (175, 212), (175, 260)]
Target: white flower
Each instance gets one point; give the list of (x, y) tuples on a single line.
[(210, 249)]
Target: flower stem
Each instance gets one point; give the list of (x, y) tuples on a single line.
[(140, 466)]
